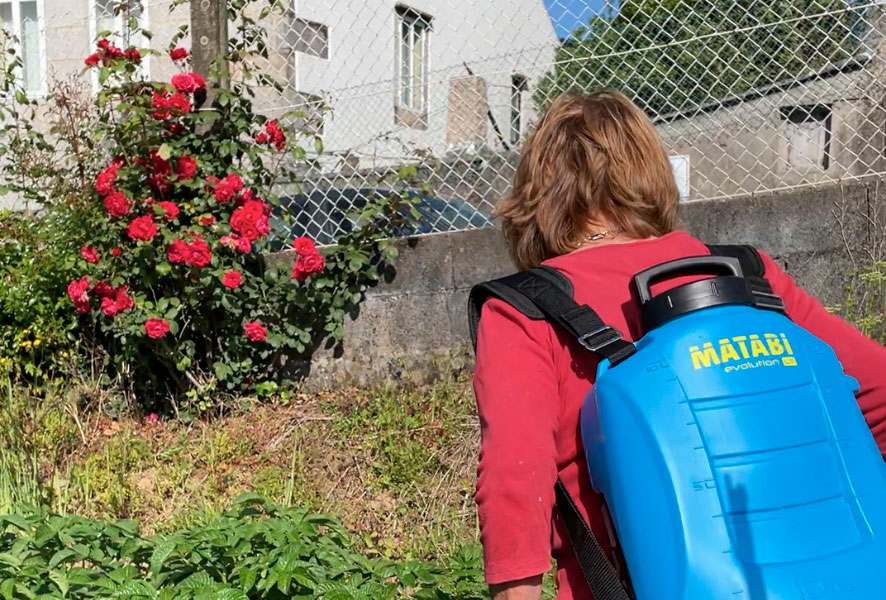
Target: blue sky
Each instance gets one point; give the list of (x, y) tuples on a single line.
[(569, 14)]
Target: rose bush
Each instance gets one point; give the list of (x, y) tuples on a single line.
[(172, 286)]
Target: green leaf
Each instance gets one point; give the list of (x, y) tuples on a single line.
[(16, 521), (159, 556), (164, 151), (9, 559)]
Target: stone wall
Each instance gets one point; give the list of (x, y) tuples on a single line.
[(417, 323)]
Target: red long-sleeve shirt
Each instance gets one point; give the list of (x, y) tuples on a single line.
[(530, 381)]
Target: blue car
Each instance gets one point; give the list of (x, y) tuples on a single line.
[(324, 215)]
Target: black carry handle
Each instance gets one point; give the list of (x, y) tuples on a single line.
[(694, 264)]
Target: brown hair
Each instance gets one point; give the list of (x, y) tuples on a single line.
[(592, 157)]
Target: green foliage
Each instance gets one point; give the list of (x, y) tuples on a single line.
[(256, 550), (406, 432), (37, 328), (676, 54), (167, 192), (865, 305)]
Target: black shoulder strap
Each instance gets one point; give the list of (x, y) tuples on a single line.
[(600, 574), (545, 293), (754, 272)]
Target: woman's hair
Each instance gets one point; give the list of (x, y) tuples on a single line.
[(593, 158)]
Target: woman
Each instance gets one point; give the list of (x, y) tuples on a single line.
[(594, 197)]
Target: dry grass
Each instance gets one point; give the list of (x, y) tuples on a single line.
[(397, 465)]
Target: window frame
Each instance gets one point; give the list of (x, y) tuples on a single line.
[(412, 110), (822, 114), (519, 86), (311, 23), (41, 44)]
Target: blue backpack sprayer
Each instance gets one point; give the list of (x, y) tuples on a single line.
[(727, 443)]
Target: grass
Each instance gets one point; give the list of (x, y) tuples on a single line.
[(396, 464)]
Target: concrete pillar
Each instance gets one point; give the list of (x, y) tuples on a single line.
[(209, 33)]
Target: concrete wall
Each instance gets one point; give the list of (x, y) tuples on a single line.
[(746, 147), (417, 323)]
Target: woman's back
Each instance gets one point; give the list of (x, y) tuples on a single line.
[(531, 380)]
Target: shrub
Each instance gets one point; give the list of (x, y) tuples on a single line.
[(173, 191), (256, 550)]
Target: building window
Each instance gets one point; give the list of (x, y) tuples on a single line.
[(518, 87), (309, 38), (808, 134), (413, 33), (22, 22)]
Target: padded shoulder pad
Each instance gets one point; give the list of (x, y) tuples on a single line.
[(504, 289), (751, 263)]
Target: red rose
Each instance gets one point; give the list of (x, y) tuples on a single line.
[(232, 279), (123, 300), (89, 254), (78, 293), (104, 183), (142, 228), (92, 59), (177, 252), (244, 245), (304, 246), (262, 138), (199, 254), (308, 265), (103, 289), (114, 52), (275, 134), (188, 83), (234, 181), (224, 192), (116, 252), (170, 210), (109, 306), (133, 55), (156, 328), (117, 204), (103, 44), (178, 54), (206, 220), (199, 82), (160, 104), (251, 220), (185, 167), (180, 102), (247, 196), (160, 170), (255, 331)]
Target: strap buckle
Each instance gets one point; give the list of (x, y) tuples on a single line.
[(599, 338)]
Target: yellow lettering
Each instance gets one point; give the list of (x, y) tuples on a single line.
[(757, 347), (787, 344), (775, 347), (727, 351), (705, 357), (740, 340)]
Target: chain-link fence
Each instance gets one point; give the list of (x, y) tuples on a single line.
[(750, 96)]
